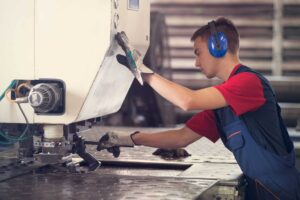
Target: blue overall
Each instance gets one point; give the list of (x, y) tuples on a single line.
[(269, 176)]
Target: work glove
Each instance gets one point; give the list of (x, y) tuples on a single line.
[(171, 154), (112, 141), (133, 59)]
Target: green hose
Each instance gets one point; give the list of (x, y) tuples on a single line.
[(11, 138), (10, 86), (6, 139)]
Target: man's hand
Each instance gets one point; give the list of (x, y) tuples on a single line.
[(139, 64), (133, 59), (112, 141)]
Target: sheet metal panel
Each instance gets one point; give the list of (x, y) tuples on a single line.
[(97, 186), (136, 174)]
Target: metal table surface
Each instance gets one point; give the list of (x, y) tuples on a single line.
[(99, 186), (134, 175), (202, 150)]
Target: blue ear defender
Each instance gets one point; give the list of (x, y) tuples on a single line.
[(217, 41)]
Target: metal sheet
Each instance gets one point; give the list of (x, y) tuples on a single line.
[(202, 150), (216, 171), (100, 100), (98, 186), (136, 174)]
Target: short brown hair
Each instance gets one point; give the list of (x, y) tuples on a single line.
[(222, 25)]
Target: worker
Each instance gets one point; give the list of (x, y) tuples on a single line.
[(242, 111)]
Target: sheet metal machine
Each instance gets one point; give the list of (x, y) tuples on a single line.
[(59, 73)]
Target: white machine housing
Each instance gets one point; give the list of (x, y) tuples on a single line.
[(72, 41)]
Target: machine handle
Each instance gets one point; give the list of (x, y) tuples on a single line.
[(92, 162), (79, 148)]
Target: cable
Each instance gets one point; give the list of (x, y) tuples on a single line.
[(10, 86), (4, 140), (26, 120), (11, 139), (6, 143)]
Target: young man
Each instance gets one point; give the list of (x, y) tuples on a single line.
[(242, 111)]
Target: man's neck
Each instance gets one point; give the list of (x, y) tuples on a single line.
[(227, 66)]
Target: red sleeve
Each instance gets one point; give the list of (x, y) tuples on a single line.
[(243, 92), (204, 124)]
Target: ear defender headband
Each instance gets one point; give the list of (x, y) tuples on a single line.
[(217, 41)]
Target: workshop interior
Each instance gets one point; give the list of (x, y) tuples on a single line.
[(62, 89)]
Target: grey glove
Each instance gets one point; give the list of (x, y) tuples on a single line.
[(134, 61), (112, 141)]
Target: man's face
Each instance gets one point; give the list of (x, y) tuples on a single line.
[(204, 60)]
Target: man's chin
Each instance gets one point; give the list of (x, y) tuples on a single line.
[(209, 76)]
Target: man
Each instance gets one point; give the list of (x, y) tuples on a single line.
[(242, 111)]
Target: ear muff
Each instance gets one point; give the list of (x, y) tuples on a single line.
[(217, 41)]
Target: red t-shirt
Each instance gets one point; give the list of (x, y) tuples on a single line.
[(243, 92)]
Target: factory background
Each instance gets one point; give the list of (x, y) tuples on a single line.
[(270, 43)]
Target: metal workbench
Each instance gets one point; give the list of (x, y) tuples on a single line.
[(209, 172)]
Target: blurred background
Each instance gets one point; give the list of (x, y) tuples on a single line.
[(270, 43)]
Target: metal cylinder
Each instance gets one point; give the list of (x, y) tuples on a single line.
[(53, 131), (44, 97)]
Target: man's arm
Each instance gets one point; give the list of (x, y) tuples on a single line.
[(168, 139), (173, 139), (187, 99)]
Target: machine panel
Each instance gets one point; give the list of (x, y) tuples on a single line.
[(69, 43), (16, 52)]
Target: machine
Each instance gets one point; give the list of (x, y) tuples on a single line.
[(59, 72)]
